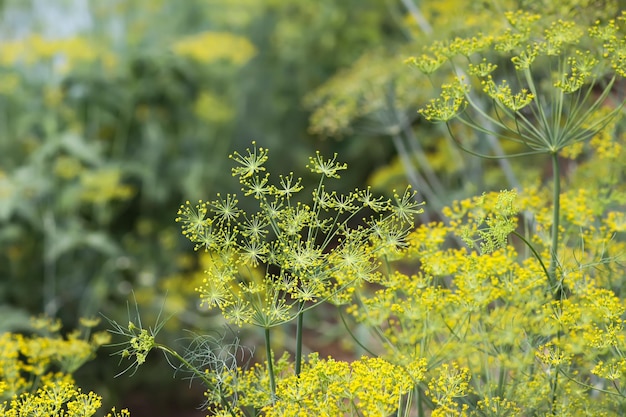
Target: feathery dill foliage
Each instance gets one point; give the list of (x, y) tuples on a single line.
[(266, 264)]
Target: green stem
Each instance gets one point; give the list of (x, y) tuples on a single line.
[(535, 254), (270, 363), (554, 387), (299, 330), (420, 403), (354, 338), (556, 287)]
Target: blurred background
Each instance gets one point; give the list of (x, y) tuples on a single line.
[(113, 113)]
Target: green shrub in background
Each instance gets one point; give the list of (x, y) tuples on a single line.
[(83, 163)]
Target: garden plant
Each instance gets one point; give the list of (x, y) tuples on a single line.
[(511, 306), (505, 303)]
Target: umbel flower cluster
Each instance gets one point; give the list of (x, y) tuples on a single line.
[(543, 117), (269, 265)]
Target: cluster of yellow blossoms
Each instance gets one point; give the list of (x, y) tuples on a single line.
[(36, 372)]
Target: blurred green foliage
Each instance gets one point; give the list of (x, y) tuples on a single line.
[(105, 129)]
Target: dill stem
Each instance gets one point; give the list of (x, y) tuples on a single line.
[(556, 174), (299, 330), (270, 363)]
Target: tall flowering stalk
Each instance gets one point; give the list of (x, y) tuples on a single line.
[(539, 116), (270, 266)]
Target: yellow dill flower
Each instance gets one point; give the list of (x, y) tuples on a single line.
[(451, 100), (327, 387), (67, 52), (212, 109), (427, 64), (616, 221), (121, 413), (451, 381)]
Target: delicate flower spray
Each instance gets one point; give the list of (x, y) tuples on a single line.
[(271, 266)]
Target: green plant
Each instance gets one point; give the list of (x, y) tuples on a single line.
[(272, 266), (543, 117), (512, 305)]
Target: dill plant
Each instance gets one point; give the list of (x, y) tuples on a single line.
[(532, 325), (268, 268), (541, 114)]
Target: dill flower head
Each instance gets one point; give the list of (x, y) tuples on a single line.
[(36, 371), (581, 63), (266, 264)]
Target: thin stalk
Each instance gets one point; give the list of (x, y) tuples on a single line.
[(299, 330), (501, 380), (420, 403), (556, 197), (418, 151), (554, 387), (351, 333), (417, 15), (535, 253), (270, 363)]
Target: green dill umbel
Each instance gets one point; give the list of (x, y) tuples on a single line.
[(270, 266)]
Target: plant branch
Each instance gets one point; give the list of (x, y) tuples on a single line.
[(270, 364)]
